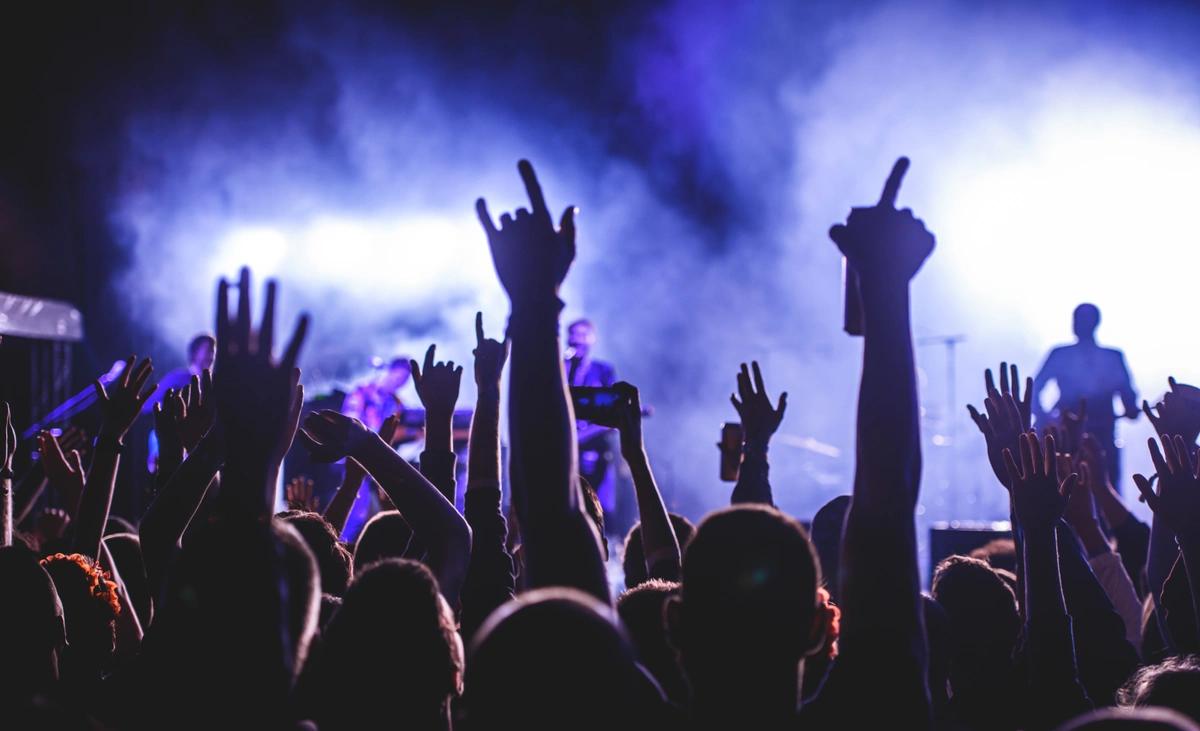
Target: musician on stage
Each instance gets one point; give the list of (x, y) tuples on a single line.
[(202, 352), (376, 400), (597, 455), (1085, 371)]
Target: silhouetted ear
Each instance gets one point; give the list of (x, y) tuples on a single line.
[(673, 621)]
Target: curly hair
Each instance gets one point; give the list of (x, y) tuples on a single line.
[(98, 582)]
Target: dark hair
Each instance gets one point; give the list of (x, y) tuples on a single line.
[(642, 610), (197, 342), (633, 557), (750, 577), (333, 559), (386, 535), (556, 658), (827, 526), (1130, 719), (31, 623), (1173, 683), (392, 646), (984, 619)]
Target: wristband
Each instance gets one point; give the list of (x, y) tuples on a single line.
[(752, 447)]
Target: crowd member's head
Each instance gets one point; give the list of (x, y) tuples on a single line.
[(748, 613), (556, 658), (126, 552), (391, 651), (634, 556), (90, 604), (202, 352), (333, 560), (581, 337), (397, 374), (827, 527), (1131, 719), (1085, 321), (210, 638), (1173, 683), (641, 610), (386, 535), (32, 630), (984, 624), (941, 651)]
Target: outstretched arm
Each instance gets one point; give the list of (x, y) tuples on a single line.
[(1039, 499), (760, 420), (490, 580), (119, 407), (330, 436), (338, 510), (1177, 504), (532, 258), (661, 546), (882, 626), (437, 385)]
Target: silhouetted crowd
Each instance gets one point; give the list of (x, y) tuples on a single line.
[(215, 611)]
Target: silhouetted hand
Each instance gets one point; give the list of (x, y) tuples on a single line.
[(122, 401), (329, 436), (258, 399), (9, 444), (51, 525), (1178, 412), (199, 412), (490, 356), (1072, 426), (1081, 513), (167, 415), (759, 418), (65, 474), (531, 257), (1177, 501), (298, 494), (628, 417), (882, 244), (1008, 416), (437, 384), (1039, 497)]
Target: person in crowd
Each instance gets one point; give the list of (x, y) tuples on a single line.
[(211, 610)]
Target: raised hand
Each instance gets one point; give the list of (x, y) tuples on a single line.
[(1177, 502), (1008, 416), (6, 489), (882, 244), (298, 494), (65, 474), (199, 412), (530, 255), (258, 398), (490, 356), (329, 436), (51, 525), (122, 401), (1073, 427), (437, 384), (628, 418), (1039, 496), (760, 419), (1178, 412)]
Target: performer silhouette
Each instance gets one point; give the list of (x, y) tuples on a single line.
[(1085, 371)]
